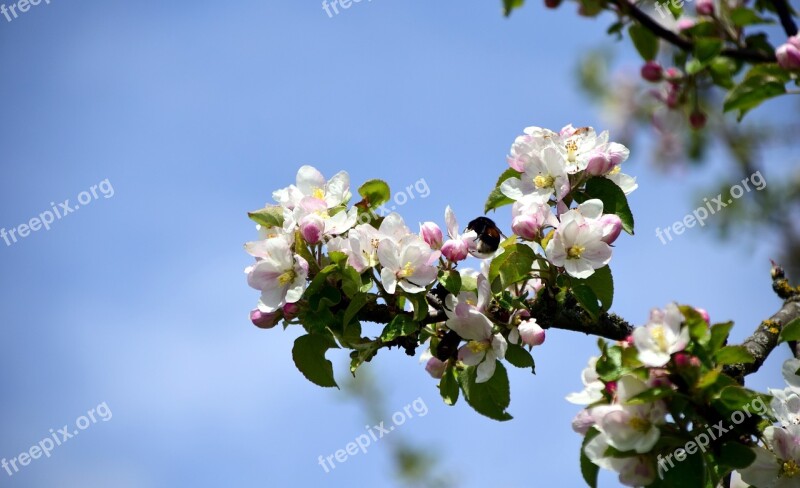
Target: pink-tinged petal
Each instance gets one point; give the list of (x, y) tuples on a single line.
[(598, 253), (435, 367), (451, 222), (394, 227), (473, 327), (579, 268), (424, 275), (272, 298), (532, 334), (486, 369), (309, 180), (512, 188), (264, 320), (388, 255), (470, 357), (596, 449), (612, 227), (337, 190), (389, 280), (582, 422), (455, 250), (431, 234), (484, 292), (763, 471), (635, 471)]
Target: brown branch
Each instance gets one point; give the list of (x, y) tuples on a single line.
[(765, 337), (785, 14), (749, 55)]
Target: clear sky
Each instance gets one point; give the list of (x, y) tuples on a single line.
[(195, 112)]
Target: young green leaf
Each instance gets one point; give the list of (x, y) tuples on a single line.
[(520, 357), (513, 266), (309, 357), (645, 41), (790, 331), (490, 398), (448, 386)]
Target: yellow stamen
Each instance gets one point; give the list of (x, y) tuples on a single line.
[(639, 425), (572, 149), (318, 193), (614, 171), (660, 337), (542, 181), (287, 277), (575, 252), (407, 271), (476, 346), (790, 469)]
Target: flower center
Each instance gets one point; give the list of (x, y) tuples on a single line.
[(790, 469), (542, 181), (615, 170), (287, 277), (660, 337), (572, 150), (478, 346), (575, 252), (318, 193), (407, 270), (639, 425)]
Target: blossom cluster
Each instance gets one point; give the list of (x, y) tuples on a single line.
[(777, 464), (558, 183)]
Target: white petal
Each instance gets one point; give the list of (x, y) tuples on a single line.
[(309, 180), (486, 369)]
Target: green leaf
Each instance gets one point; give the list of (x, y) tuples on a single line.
[(650, 395), (613, 198), (309, 357), (790, 331), (510, 5), (490, 398), (451, 281), (733, 355), (355, 305), (735, 397), (645, 41), (602, 284), (520, 357), (513, 266), (736, 456), (448, 386), (587, 299), (589, 470), (270, 216), (375, 193), (722, 70), (400, 326), (609, 366), (496, 198), (719, 334), (761, 83), (420, 306), (743, 16), (706, 49)]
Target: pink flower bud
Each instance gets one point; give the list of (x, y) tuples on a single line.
[(432, 234), (311, 228), (612, 226), (684, 360), (789, 54), (697, 120), (685, 24), (290, 311), (455, 250), (265, 320), (531, 333), (659, 377), (435, 367), (705, 7), (526, 226), (652, 71), (583, 422), (611, 388), (552, 3), (703, 313), (673, 74)]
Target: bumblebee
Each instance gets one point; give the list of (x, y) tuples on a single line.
[(488, 239)]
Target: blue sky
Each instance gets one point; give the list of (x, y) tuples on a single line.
[(195, 112)]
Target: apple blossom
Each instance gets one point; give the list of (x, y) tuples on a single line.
[(786, 406), (582, 422), (543, 174), (529, 217), (593, 387), (280, 275), (432, 234), (407, 264), (531, 333), (578, 247), (264, 320), (315, 220), (633, 471), (778, 467), (457, 247), (578, 145), (605, 159), (611, 226), (661, 337), (311, 183), (788, 54), (528, 145)]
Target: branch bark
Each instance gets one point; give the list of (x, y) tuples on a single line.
[(749, 55), (765, 337), (785, 14)]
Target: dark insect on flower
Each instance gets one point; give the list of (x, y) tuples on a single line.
[(488, 239)]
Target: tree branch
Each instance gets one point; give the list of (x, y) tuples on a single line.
[(683, 43), (785, 14), (765, 337)]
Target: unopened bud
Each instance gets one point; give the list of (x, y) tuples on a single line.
[(265, 320)]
